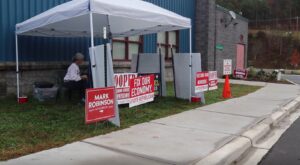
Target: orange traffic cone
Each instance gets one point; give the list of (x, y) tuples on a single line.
[(226, 89)]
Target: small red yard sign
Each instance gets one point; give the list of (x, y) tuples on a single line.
[(201, 82), (100, 104), (142, 90)]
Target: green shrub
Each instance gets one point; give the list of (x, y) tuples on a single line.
[(273, 76), (263, 76), (251, 73)]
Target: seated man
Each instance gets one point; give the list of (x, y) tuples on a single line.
[(73, 79)]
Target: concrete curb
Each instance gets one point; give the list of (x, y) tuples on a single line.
[(257, 132), (291, 107), (277, 116), (234, 150), (291, 82), (228, 153)]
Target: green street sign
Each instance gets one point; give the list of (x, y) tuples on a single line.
[(220, 47)]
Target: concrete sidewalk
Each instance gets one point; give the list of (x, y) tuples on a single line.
[(185, 138)]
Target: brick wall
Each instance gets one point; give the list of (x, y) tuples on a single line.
[(205, 31), (210, 31), (229, 37)]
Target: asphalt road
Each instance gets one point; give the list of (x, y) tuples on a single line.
[(292, 78), (287, 150)]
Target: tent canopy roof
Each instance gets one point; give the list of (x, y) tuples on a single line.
[(124, 17)]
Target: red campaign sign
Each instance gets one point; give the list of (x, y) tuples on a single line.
[(122, 86), (142, 90), (240, 73), (213, 80), (99, 104), (201, 82)]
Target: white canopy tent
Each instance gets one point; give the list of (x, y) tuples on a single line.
[(88, 18)]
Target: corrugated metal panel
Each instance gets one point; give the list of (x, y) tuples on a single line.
[(183, 7), (56, 49), (1, 33), (33, 48), (150, 43)]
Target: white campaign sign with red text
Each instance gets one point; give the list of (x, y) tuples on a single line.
[(201, 82), (99, 104), (122, 85), (227, 67), (212, 80), (141, 90)]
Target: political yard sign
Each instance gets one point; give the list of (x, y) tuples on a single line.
[(201, 84), (100, 104), (142, 90), (212, 80), (122, 85), (240, 73), (157, 82)]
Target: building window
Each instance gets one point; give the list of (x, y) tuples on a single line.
[(124, 48), (167, 39)]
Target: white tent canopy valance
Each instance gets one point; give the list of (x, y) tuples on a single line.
[(93, 18), (125, 18)]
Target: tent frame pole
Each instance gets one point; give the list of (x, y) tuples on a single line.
[(92, 40), (17, 66), (106, 37), (160, 71), (173, 69), (191, 58), (105, 63)]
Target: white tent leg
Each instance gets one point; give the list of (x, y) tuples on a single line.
[(191, 58), (92, 33), (93, 61), (17, 67)]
